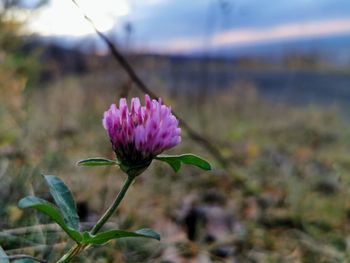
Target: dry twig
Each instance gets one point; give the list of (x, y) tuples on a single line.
[(194, 135)]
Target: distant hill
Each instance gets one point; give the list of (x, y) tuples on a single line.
[(300, 76), (335, 49)]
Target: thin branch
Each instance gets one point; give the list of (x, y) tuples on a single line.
[(30, 229), (37, 248), (53, 227), (22, 256), (194, 135)]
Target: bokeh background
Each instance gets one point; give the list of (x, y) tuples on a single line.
[(266, 82)]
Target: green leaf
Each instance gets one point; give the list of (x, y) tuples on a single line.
[(106, 236), (175, 161), (50, 210), (97, 162), (3, 256), (64, 200), (148, 233)]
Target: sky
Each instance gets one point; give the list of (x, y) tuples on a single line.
[(184, 26)]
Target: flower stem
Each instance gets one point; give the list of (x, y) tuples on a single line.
[(100, 223), (113, 207), (70, 254)]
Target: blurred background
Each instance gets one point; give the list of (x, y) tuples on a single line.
[(266, 82)]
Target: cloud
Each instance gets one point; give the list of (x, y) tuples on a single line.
[(241, 37), (283, 32), (62, 17)]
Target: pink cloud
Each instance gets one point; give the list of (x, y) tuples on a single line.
[(249, 36)]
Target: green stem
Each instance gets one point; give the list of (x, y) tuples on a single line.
[(113, 207), (100, 223), (70, 254)]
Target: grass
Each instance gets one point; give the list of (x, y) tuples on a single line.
[(284, 197)]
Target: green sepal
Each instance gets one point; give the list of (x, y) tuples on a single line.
[(175, 161), (97, 162)]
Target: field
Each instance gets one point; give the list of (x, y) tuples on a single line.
[(283, 196)]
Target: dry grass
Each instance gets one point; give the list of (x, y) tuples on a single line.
[(285, 193)]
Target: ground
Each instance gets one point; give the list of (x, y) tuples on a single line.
[(283, 196)]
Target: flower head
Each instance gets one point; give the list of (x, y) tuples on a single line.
[(140, 133)]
